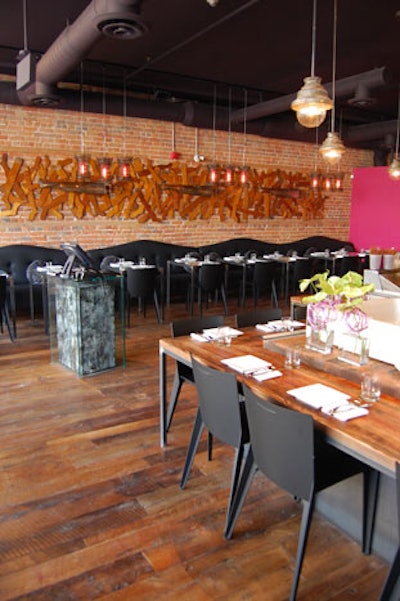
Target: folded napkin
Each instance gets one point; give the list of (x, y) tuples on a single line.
[(345, 412), (330, 401), (215, 333), (198, 337), (267, 375), (279, 325), (319, 396)]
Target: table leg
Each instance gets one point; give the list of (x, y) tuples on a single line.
[(391, 589), (168, 295), (163, 397)]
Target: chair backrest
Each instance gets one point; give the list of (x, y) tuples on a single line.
[(3, 291), (32, 274), (141, 282), (265, 272), (251, 318), (283, 444), (183, 327), (219, 402), (211, 276), (105, 263)]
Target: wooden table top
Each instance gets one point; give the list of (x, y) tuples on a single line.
[(374, 438)]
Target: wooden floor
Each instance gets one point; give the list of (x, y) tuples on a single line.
[(90, 505)]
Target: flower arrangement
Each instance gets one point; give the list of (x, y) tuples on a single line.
[(333, 294)]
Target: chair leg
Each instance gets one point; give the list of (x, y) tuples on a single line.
[(371, 488), (392, 579), (210, 446), (308, 507), (31, 303), (223, 296), (194, 443), (249, 469), (157, 306), (237, 467), (6, 318), (176, 388)]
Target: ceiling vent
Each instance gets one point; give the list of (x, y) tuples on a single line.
[(122, 28)]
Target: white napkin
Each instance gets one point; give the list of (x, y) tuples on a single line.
[(247, 364), (267, 375), (215, 333), (330, 401), (319, 396), (279, 325), (198, 337), (345, 412)]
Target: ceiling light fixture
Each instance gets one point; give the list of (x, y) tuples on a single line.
[(312, 101), (333, 148), (394, 167)]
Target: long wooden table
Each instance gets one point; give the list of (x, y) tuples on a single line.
[(374, 438)]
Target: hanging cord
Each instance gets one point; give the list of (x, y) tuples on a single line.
[(334, 66), (124, 116), (24, 16), (398, 128), (214, 123), (82, 107), (244, 128), (313, 37), (229, 124), (104, 115)]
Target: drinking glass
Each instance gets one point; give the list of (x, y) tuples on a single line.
[(370, 388)]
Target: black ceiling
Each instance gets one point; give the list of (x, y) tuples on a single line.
[(193, 59)]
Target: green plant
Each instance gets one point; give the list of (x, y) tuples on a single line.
[(345, 292)]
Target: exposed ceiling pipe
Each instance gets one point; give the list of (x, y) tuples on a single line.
[(114, 18), (344, 87), (371, 131)]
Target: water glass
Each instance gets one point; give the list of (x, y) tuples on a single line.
[(292, 359), (370, 388)]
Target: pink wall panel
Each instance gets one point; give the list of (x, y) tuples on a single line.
[(375, 209)]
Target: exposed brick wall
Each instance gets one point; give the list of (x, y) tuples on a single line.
[(28, 132)]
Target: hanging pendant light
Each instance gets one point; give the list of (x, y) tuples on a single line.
[(333, 148), (312, 101), (394, 167)]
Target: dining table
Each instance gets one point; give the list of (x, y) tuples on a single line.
[(370, 435)]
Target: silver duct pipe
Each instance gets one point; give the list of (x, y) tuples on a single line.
[(344, 87), (114, 18), (371, 131)]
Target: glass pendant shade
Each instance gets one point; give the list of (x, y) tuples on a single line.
[(83, 163), (124, 171), (312, 103), (332, 148), (244, 174), (213, 174), (105, 168), (228, 175), (394, 169), (315, 180)]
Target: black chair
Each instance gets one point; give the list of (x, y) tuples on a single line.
[(35, 280), (301, 269), (264, 275), (105, 264), (210, 279), (252, 318), (286, 448), (142, 284), (222, 412), (345, 264), (183, 372), (4, 313)]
